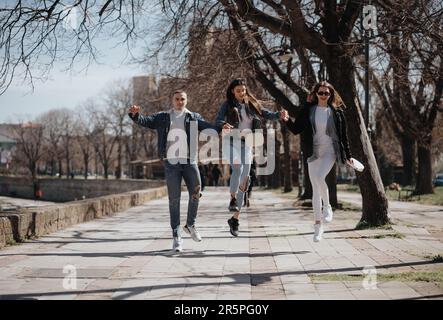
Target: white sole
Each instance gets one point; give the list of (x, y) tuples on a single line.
[(188, 232)]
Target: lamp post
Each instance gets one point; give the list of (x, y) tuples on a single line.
[(368, 24)]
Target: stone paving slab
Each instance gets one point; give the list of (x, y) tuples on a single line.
[(128, 256)]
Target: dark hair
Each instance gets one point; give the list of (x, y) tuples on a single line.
[(252, 101), (334, 99)]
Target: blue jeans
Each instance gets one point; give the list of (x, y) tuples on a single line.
[(174, 174), (239, 181), (240, 159)]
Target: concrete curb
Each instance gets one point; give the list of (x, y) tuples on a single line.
[(28, 223)]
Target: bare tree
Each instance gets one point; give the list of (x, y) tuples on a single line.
[(117, 100), (35, 34), (83, 130), (410, 85), (103, 140), (53, 136), (67, 122), (29, 151)]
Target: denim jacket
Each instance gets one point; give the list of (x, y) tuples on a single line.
[(223, 117), (161, 122)]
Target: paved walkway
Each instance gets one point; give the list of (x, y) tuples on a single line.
[(127, 256)]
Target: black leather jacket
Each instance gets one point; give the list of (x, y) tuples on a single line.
[(303, 124)]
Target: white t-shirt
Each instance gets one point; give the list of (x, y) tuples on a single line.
[(321, 120), (246, 121), (179, 144)]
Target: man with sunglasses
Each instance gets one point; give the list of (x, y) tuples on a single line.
[(178, 159)]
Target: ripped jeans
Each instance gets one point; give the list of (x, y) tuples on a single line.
[(239, 182), (240, 159), (174, 174)]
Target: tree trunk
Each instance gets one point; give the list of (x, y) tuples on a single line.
[(96, 164), (331, 181), (408, 148), (287, 160), (375, 203), (52, 167), (105, 169), (424, 178), (32, 166), (36, 188), (68, 164), (86, 165), (60, 168), (275, 180), (118, 172)]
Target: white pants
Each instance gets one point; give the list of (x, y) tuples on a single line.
[(318, 170)]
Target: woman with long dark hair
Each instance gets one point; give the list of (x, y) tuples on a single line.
[(323, 120), (241, 111)]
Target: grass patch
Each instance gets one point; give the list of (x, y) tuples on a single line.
[(437, 258), (395, 235), (363, 225), (418, 276), (435, 198), (12, 242)]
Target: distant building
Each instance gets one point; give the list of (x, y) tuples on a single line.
[(144, 92), (6, 147)]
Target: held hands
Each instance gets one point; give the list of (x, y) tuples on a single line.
[(284, 116), (226, 128), (134, 110)]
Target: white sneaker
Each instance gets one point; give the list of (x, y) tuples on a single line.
[(328, 213), (318, 232), (193, 232), (177, 244)]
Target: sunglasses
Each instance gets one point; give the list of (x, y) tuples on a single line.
[(323, 93)]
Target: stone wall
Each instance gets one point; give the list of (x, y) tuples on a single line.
[(33, 222), (62, 190)]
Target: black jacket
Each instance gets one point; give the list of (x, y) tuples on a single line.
[(303, 124)]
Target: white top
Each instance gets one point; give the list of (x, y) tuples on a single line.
[(321, 120), (177, 139), (246, 121)]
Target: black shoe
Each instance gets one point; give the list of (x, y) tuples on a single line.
[(233, 226), (233, 205)]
